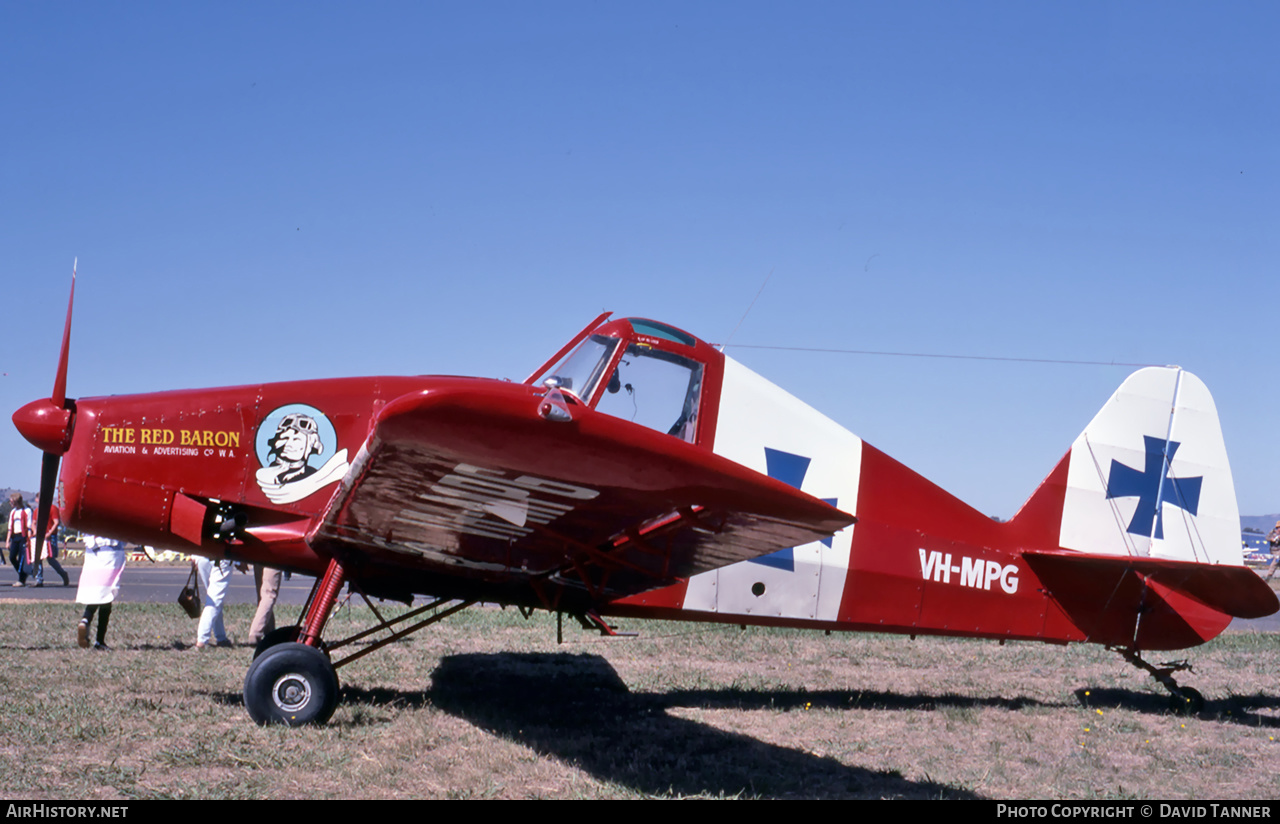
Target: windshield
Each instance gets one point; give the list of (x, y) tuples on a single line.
[(580, 372), (656, 389)]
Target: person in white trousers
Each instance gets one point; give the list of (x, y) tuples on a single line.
[(215, 577)]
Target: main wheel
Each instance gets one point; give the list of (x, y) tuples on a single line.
[(282, 635), (291, 684)]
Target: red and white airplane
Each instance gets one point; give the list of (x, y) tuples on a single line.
[(640, 472)]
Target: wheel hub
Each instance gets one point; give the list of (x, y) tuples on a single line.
[(291, 692)]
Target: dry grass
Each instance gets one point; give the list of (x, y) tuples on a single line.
[(486, 705)]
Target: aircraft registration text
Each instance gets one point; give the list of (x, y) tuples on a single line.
[(971, 572)]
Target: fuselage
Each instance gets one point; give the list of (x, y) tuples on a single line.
[(174, 469)]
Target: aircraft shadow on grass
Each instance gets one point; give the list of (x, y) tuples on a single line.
[(1235, 709), (575, 708)]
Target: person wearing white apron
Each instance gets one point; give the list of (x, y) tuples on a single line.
[(99, 583)]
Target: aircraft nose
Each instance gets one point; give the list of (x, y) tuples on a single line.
[(46, 425)]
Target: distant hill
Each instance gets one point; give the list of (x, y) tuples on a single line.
[(27, 497), (1262, 523)]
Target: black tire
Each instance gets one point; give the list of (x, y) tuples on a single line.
[(291, 684), (283, 635), (1187, 701)]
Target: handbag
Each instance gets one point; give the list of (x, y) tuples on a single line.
[(189, 598)]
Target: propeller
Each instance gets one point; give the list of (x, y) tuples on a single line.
[(47, 424)]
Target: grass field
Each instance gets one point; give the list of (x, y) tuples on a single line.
[(486, 705)]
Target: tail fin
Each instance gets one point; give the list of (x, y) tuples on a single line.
[(1149, 476), (1148, 531)]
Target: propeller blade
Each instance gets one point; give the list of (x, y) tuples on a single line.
[(59, 396), (48, 485), (47, 425)]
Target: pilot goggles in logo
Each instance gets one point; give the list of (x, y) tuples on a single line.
[(297, 438), (302, 423), (298, 424)]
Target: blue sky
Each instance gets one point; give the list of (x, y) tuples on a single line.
[(270, 191)]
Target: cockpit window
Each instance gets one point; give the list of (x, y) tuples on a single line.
[(656, 389), (581, 371)]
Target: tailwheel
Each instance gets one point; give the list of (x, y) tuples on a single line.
[(291, 684), (1186, 701), (283, 635), (1182, 700)]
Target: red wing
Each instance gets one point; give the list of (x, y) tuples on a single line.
[(471, 490)]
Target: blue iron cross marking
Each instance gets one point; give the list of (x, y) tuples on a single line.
[(1152, 486), (790, 469)]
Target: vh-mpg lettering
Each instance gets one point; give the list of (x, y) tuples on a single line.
[(974, 573)]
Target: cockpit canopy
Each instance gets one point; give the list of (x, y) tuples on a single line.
[(645, 372)]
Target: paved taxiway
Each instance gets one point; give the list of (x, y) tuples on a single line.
[(147, 583)]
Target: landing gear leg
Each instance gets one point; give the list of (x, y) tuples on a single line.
[(318, 613), (1182, 700), (292, 681)]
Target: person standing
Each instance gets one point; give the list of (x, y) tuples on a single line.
[(267, 581), (215, 577), (22, 529), (51, 546), (104, 560), (1273, 540)]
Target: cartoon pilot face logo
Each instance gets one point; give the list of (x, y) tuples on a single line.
[(291, 445)]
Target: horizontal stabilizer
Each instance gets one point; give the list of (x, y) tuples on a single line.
[(1236, 591)]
